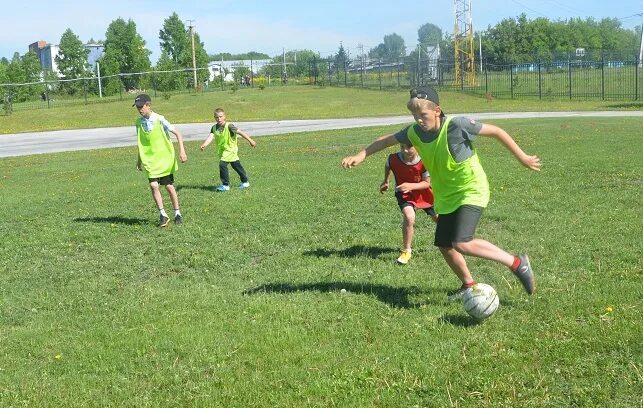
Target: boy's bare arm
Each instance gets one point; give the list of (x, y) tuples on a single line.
[(531, 162), (387, 175), (380, 143), (207, 141), (408, 187), (179, 138), (248, 138)]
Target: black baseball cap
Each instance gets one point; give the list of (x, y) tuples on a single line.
[(141, 100), (428, 93)]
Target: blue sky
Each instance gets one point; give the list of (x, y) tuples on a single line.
[(268, 26)]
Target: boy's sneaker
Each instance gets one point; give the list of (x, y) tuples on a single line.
[(222, 188), (178, 219), (404, 257), (458, 293), (244, 185), (526, 274), (163, 221)]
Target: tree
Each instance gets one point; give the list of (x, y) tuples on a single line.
[(341, 58), (22, 70), (174, 38), (125, 52), (72, 61), (429, 35), (169, 81), (391, 49)]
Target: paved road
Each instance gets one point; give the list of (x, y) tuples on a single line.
[(86, 139)]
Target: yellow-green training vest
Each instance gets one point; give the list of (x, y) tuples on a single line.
[(228, 149), (155, 150), (454, 184)]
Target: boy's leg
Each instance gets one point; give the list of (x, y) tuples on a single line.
[(158, 199), (236, 165), (156, 193), (408, 223), (464, 225), (223, 173), (173, 196)]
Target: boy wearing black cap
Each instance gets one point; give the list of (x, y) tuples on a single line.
[(459, 183), (156, 155)]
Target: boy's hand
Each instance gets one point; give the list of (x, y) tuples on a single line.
[(531, 162), (404, 188), (252, 143), (384, 187), (202, 147), (183, 157), (352, 161)]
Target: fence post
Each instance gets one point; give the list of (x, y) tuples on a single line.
[(486, 79), (252, 76), (361, 71), (511, 80), (569, 69), (330, 75), (398, 72), (540, 81), (85, 90), (345, 73), (603, 77), (379, 72), (636, 79)]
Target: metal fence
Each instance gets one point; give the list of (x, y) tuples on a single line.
[(604, 79), (569, 79)]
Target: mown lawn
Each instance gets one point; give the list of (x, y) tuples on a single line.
[(243, 304)]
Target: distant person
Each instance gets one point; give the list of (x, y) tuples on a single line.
[(459, 183), (225, 136), (156, 155), (412, 190)]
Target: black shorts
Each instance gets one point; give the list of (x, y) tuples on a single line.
[(459, 226), (164, 181), (401, 203)]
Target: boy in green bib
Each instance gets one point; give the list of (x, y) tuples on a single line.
[(459, 183), (156, 155), (224, 135)]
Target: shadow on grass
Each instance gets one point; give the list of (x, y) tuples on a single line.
[(392, 296), (209, 188), (113, 220), (351, 252)]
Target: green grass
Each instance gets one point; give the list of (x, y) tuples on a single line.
[(242, 305), (275, 103)]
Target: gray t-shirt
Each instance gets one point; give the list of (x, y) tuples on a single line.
[(460, 133)]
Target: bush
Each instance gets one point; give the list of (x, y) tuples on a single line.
[(262, 87)]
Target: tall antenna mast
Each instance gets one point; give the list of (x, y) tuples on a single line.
[(464, 55)]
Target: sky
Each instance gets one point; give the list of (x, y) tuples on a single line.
[(270, 26)]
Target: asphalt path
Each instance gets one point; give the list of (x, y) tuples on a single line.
[(22, 144)]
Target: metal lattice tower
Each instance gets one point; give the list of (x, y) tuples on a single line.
[(464, 56)]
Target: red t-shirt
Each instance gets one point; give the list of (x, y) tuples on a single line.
[(410, 173)]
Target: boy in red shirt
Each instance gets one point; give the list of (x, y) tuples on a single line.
[(412, 190)]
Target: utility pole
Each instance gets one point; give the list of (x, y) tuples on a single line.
[(193, 55)]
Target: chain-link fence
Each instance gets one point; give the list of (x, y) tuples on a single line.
[(572, 78)]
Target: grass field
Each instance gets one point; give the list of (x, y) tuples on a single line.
[(275, 103), (242, 305)]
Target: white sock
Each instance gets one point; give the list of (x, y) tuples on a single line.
[(177, 212), (162, 212)]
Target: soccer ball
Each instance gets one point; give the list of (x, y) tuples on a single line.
[(481, 301)]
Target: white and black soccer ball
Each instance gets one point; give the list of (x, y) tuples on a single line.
[(481, 301)]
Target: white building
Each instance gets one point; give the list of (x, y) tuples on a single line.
[(46, 54)]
